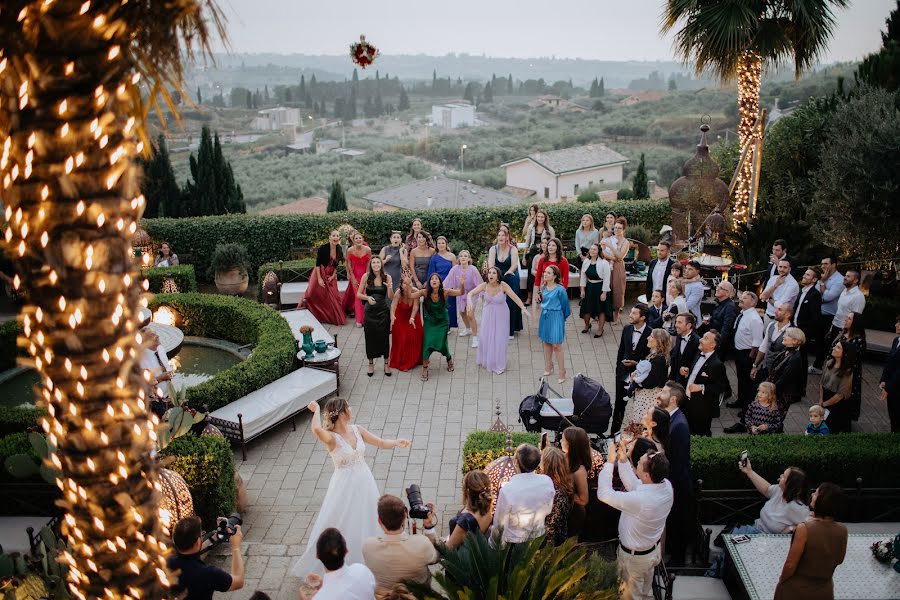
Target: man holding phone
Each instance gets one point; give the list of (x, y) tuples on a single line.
[(632, 348)]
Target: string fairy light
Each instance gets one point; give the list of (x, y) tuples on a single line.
[(749, 73)]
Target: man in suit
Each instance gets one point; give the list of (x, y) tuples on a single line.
[(705, 384), (890, 381), (632, 348), (779, 253), (808, 314), (670, 398), (660, 268), (684, 347)]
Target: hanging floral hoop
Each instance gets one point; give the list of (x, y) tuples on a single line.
[(363, 53)]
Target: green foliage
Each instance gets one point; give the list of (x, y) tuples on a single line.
[(337, 200), (639, 184), (272, 237), (726, 156), (624, 194), (9, 331), (641, 234), (669, 169), (15, 419), (855, 203), (881, 312), (229, 256), (213, 190), (481, 447), (159, 185), (31, 462), (403, 103), (183, 276), (589, 195), (207, 465), (240, 321), (882, 68), (16, 444)]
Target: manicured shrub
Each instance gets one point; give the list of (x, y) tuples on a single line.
[(481, 447), (9, 331), (183, 276), (207, 465), (16, 419), (242, 322), (624, 194)]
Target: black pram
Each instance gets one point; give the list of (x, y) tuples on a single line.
[(589, 408)]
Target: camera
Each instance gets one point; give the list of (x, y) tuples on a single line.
[(225, 528), (417, 508)]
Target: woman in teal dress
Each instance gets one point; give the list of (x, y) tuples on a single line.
[(441, 262), (555, 310), (436, 321)]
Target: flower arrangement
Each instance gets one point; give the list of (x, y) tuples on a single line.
[(883, 551), (306, 329), (363, 53)]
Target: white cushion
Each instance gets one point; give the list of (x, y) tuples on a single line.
[(280, 399), (292, 293), (566, 406), (297, 318)]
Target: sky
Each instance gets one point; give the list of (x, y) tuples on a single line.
[(590, 29)]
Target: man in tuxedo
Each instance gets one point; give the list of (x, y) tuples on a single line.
[(808, 314), (705, 384), (660, 268), (779, 253), (684, 347), (632, 348), (890, 381), (670, 399)]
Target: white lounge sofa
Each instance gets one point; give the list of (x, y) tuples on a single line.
[(246, 419), (292, 293)]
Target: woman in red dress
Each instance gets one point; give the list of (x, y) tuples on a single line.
[(322, 298), (358, 257), (406, 327)]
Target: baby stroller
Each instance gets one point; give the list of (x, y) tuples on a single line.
[(588, 408)]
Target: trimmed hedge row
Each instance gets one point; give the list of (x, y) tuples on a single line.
[(836, 458), (14, 419), (9, 331), (207, 465), (183, 276), (242, 322), (271, 237)]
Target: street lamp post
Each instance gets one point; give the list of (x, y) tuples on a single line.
[(462, 158)]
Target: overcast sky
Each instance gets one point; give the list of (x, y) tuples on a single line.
[(594, 29)]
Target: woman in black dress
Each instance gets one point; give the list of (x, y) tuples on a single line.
[(855, 332), (373, 291)]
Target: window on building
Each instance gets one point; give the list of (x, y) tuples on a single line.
[(576, 188), (546, 192), (590, 183)]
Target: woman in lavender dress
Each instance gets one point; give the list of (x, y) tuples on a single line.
[(494, 328), (465, 277), (441, 262)]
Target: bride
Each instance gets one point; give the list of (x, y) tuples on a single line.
[(351, 502)]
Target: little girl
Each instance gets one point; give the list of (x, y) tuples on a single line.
[(465, 277)]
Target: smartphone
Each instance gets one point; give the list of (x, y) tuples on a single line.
[(744, 457), (618, 437), (740, 539)]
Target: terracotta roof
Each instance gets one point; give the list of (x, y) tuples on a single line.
[(574, 159), (313, 204)]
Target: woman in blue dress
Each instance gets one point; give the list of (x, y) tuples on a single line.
[(555, 310), (505, 257), (441, 262)]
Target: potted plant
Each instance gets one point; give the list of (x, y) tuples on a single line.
[(229, 263)]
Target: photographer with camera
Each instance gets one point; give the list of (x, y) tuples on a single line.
[(195, 577), (398, 556)]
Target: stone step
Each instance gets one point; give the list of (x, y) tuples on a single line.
[(699, 588)]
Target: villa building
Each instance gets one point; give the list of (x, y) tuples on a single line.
[(565, 173), (274, 119), (453, 115)]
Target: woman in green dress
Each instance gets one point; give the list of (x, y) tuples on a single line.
[(436, 322)]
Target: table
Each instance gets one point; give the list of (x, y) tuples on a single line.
[(754, 567), (327, 361), (299, 317)]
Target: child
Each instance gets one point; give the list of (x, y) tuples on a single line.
[(676, 273), (817, 425), (655, 316)]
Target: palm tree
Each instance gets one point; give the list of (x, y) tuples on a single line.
[(735, 39), (77, 78)]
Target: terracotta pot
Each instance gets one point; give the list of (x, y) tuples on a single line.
[(233, 282)]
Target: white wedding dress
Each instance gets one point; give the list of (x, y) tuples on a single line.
[(350, 505)]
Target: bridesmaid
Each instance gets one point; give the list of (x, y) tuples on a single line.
[(406, 327), (322, 298), (358, 256), (505, 257), (465, 277), (536, 231), (553, 256), (421, 258), (494, 320), (609, 223), (437, 322), (393, 257), (529, 220), (595, 300), (555, 310), (414, 229), (442, 261), (373, 289), (615, 249)]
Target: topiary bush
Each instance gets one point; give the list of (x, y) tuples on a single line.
[(481, 447), (242, 322), (183, 276), (207, 465), (9, 331), (624, 194)]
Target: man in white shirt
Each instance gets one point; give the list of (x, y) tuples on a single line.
[(525, 500), (352, 582), (773, 343), (850, 300), (748, 337), (693, 289), (153, 359), (780, 289), (645, 505)]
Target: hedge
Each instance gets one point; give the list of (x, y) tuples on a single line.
[(881, 311), (9, 331), (242, 322), (836, 458), (183, 276), (271, 237), (15, 419), (207, 465)]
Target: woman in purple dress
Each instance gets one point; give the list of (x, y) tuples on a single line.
[(494, 328), (465, 276)]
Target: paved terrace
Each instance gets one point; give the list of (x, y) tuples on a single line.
[(287, 472)]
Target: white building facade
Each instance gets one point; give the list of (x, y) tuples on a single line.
[(274, 119), (453, 115), (563, 174)]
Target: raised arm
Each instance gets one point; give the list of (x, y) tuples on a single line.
[(470, 297), (512, 295), (762, 486), (315, 425), (374, 440)]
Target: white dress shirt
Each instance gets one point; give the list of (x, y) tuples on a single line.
[(786, 293), (157, 363), (803, 292), (693, 294), (645, 506), (701, 360), (522, 505), (749, 331), (659, 275), (773, 332), (851, 300), (636, 336), (350, 582)]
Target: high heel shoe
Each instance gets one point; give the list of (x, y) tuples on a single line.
[(547, 373), (562, 378), (371, 370)]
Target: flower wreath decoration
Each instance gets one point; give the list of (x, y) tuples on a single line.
[(363, 53)]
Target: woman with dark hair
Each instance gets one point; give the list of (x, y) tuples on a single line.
[(577, 447), (494, 320), (555, 466), (596, 301), (786, 505), (414, 229), (476, 513), (322, 298), (855, 332), (420, 256), (165, 257), (406, 327), (818, 546), (505, 257), (393, 257), (442, 261), (555, 311), (609, 223), (639, 447), (358, 257), (374, 288), (529, 220), (533, 236), (436, 321), (656, 425), (837, 386)]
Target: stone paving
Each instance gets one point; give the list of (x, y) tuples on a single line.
[(287, 472)]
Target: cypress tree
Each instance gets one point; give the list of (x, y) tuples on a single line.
[(403, 103), (488, 94), (337, 200), (159, 186), (509, 85), (469, 94), (434, 82), (594, 88), (378, 109), (266, 95), (601, 90), (220, 180), (249, 99), (355, 84), (639, 185), (302, 86)]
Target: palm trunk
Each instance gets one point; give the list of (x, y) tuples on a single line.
[(749, 72), (71, 206)]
